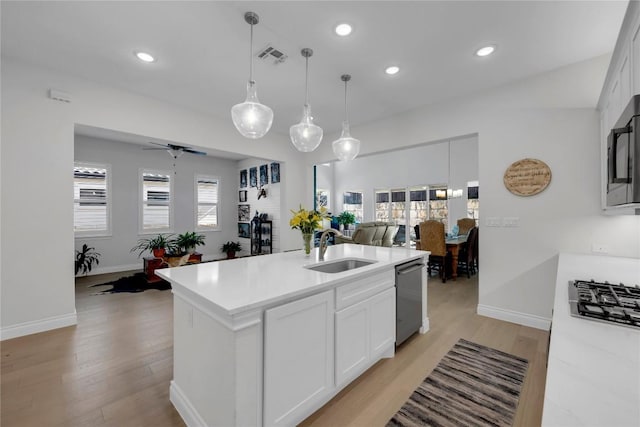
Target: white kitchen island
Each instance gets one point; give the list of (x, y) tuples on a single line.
[(265, 341)]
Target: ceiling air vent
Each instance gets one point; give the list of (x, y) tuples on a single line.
[(271, 53)]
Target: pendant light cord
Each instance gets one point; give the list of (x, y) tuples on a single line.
[(346, 118), (306, 83), (251, 56)]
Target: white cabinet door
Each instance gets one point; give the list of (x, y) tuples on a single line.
[(625, 83), (352, 341), (364, 331), (299, 358), (635, 54), (383, 321)]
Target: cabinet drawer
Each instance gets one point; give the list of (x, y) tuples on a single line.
[(363, 288)]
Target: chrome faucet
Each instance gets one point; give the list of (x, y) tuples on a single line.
[(322, 246)]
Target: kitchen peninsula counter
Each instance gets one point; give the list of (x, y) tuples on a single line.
[(265, 341), (593, 373)]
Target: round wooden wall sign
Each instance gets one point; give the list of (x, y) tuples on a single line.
[(527, 177)]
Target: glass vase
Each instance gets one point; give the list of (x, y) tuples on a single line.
[(306, 238)]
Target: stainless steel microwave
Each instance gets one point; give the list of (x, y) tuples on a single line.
[(623, 157)]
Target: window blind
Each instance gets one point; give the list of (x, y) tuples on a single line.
[(207, 202), (156, 200), (90, 209)]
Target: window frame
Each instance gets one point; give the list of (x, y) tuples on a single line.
[(141, 202), (358, 220), (109, 200), (196, 204)]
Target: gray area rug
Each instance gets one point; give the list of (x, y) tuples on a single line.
[(472, 385)]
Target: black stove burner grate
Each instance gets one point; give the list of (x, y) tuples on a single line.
[(605, 302)]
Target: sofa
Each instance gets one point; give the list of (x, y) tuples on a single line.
[(375, 233)]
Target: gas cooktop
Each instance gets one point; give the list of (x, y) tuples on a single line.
[(605, 302)]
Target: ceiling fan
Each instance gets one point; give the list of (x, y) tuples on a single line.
[(175, 150)]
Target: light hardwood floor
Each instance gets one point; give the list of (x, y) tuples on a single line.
[(114, 367)]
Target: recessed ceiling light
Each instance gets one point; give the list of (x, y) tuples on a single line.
[(343, 29), (392, 70), (486, 51), (145, 57)]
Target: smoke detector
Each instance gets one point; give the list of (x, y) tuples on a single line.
[(271, 53)]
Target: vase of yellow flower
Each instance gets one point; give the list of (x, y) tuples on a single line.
[(306, 238), (307, 222)]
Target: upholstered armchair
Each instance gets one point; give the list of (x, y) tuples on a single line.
[(376, 233)]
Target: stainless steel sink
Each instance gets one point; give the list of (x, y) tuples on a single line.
[(340, 265)]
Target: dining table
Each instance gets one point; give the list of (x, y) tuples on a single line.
[(453, 243)]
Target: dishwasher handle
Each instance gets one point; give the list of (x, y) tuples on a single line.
[(409, 269)]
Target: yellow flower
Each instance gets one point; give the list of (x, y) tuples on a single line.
[(307, 221)]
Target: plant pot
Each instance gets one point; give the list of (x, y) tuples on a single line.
[(159, 252), (231, 254), (191, 249)]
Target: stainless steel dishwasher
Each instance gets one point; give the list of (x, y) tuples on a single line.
[(408, 299)]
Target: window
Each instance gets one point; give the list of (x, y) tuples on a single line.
[(91, 199), (418, 208), (473, 203), (207, 188), (398, 207), (382, 205), (352, 202), (157, 207), (438, 209)]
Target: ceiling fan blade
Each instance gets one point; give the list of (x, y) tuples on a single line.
[(157, 143), (200, 153), (155, 148)]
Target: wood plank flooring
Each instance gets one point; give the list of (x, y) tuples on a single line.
[(114, 367)]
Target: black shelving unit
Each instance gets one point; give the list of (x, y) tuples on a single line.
[(261, 237)]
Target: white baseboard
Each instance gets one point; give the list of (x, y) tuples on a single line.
[(189, 415), (35, 326), (425, 326), (113, 269), (524, 319)]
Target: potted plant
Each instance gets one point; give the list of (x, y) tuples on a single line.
[(85, 259), (230, 248), (158, 245), (189, 240), (346, 219)]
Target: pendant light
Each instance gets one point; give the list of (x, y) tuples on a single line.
[(346, 148), (306, 136), (252, 119)]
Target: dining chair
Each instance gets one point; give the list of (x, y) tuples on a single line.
[(468, 254), (432, 239), (465, 224)]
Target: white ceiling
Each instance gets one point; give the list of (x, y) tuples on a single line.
[(202, 49)]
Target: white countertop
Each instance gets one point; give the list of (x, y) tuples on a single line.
[(593, 375), (242, 284)]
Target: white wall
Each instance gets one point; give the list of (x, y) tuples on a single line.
[(427, 164), (551, 117), (270, 205), (38, 133), (126, 160)]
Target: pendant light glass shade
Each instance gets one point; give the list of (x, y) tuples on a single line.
[(306, 136), (346, 148), (251, 118)]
